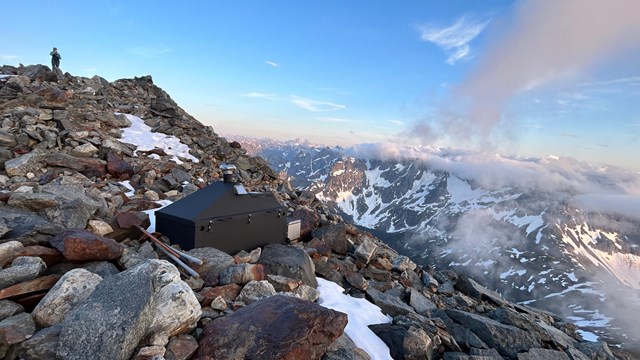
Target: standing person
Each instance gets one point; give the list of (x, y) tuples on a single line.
[(55, 58)]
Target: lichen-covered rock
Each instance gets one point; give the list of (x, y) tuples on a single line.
[(124, 309), (73, 287)]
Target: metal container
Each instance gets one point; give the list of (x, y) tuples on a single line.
[(225, 216)]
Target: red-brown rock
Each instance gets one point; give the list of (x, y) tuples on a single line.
[(227, 292), (322, 249), (181, 347), (84, 245), (117, 167), (87, 166), (31, 286), (49, 255), (278, 327)]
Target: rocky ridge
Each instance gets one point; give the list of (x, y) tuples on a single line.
[(79, 281)]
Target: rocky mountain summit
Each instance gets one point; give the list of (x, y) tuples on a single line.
[(80, 281)]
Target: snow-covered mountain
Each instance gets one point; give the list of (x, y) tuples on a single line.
[(525, 227)]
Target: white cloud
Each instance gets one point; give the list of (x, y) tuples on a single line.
[(149, 51), (494, 171), (272, 63), (455, 39), (316, 105), (255, 94), (8, 57), (396, 122)]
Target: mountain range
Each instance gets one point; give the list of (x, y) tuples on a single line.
[(551, 232)]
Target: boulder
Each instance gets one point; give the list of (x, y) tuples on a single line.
[(29, 162), (7, 251), (226, 292), (256, 290), (85, 165), (42, 345), (176, 309), (117, 167), (49, 255), (73, 287), (241, 274), (345, 349), (403, 263), (251, 331), (420, 303), (22, 269), (403, 343), (288, 261), (543, 354), (365, 250), (32, 201), (84, 245), (16, 328), (214, 261), (507, 339), (335, 236), (9, 308), (389, 304), (124, 309), (181, 347)]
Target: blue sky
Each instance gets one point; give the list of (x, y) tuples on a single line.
[(526, 78)]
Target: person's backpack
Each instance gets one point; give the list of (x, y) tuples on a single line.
[(58, 56)]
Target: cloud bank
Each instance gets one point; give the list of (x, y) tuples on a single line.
[(606, 189)]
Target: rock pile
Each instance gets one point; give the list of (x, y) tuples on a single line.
[(78, 281)]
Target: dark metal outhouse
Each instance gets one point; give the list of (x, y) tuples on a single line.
[(225, 216)]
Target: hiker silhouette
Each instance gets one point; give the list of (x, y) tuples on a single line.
[(55, 58)]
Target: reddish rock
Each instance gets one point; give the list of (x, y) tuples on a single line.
[(83, 245), (309, 220), (117, 167), (256, 331), (322, 249), (181, 347), (49, 255), (129, 219), (87, 166), (29, 287), (227, 292)]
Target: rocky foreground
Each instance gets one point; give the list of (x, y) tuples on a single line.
[(79, 281)]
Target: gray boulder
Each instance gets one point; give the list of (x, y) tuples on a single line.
[(290, 262), (22, 269), (543, 354), (508, 340), (16, 328), (42, 345), (389, 304), (124, 309)]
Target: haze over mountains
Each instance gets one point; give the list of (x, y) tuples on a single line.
[(552, 232)]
